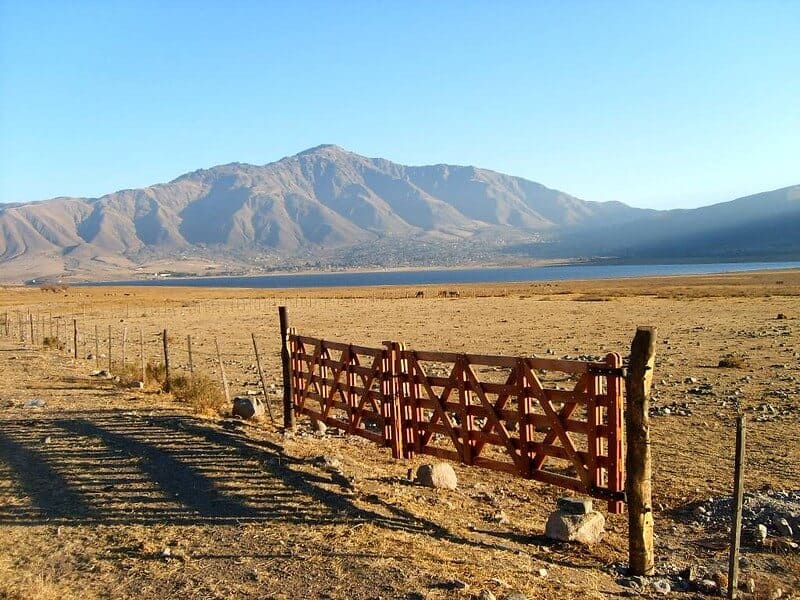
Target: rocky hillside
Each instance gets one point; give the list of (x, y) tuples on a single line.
[(327, 206)]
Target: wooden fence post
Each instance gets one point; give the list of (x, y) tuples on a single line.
[(261, 377), (222, 372), (738, 492), (75, 339), (141, 355), (288, 405), (165, 341), (189, 351), (638, 484), (96, 345), (124, 343), (109, 349)]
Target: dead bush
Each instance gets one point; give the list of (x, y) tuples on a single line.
[(155, 373), (53, 343), (731, 362), (127, 375), (201, 392)]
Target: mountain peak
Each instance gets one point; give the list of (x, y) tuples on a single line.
[(324, 149)]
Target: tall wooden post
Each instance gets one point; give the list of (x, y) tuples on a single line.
[(738, 492), (261, 377), (96, 346), (141, 355), (165, 342), (75, 339), (189, 350), (109, 349), (288, 407), (222, 372), (638, 485), (124, 343)]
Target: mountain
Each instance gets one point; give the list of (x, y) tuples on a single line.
[(329, 207)]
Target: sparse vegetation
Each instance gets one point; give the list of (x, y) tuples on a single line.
[(200, 392), (53, 343), (731, 362)]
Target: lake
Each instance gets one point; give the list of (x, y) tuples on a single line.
[(452, 276)]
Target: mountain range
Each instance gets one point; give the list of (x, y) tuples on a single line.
[(330, 208)]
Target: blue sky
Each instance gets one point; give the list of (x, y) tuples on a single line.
[(660, 104)]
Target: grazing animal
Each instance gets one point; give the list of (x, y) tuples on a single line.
[(419, 294)]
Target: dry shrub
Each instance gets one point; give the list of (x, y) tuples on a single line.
[(127, 374), (731, 362), (591, 298), (53, 343), (155, 373), (201, 392)]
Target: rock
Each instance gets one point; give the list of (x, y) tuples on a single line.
[(661, 586), (46, 440), (438, 475), (707, 586), (486, 595), (585, 529), (783, 527), (515, 596), (319, 426), (574, 506), (780, 316), (542, 572), (760, 534), (34, 403), (248, 408), (500, 518), (452, 585), (100, 373), (328, 462), (750, 586)]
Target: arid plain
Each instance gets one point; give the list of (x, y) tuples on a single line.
[(114, 492)]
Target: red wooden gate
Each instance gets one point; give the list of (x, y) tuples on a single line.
[(555, 421)]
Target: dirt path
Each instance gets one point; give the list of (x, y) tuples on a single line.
[(112, 493)]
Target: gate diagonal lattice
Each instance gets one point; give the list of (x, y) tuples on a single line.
[(554, 421)]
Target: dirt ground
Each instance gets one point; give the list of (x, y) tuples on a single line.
[(108, 492)]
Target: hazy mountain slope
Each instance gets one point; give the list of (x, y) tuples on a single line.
[(765, 225), (325, 202)]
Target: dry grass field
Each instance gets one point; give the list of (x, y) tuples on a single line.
[(109, 491)]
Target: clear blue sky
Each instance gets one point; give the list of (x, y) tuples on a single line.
[(660, 104)]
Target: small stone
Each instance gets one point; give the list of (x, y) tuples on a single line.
[(542, 572), (783, 527), (500, 518), (46, 440), (515, 596), (438, 475), (319, 426), (760, 534), (585, 529), (166, 553), (707, 586), (35, 403), (249, 408), (486, 595), (750, 586), (776, 593), (661, 586), (574, 506)]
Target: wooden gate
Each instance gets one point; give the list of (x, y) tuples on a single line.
[(555, 421)]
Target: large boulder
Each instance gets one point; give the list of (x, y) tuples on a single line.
[(249, 408), (585, 529), (438, 475)]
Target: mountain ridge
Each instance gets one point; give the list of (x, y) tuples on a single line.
[(314, 207)]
